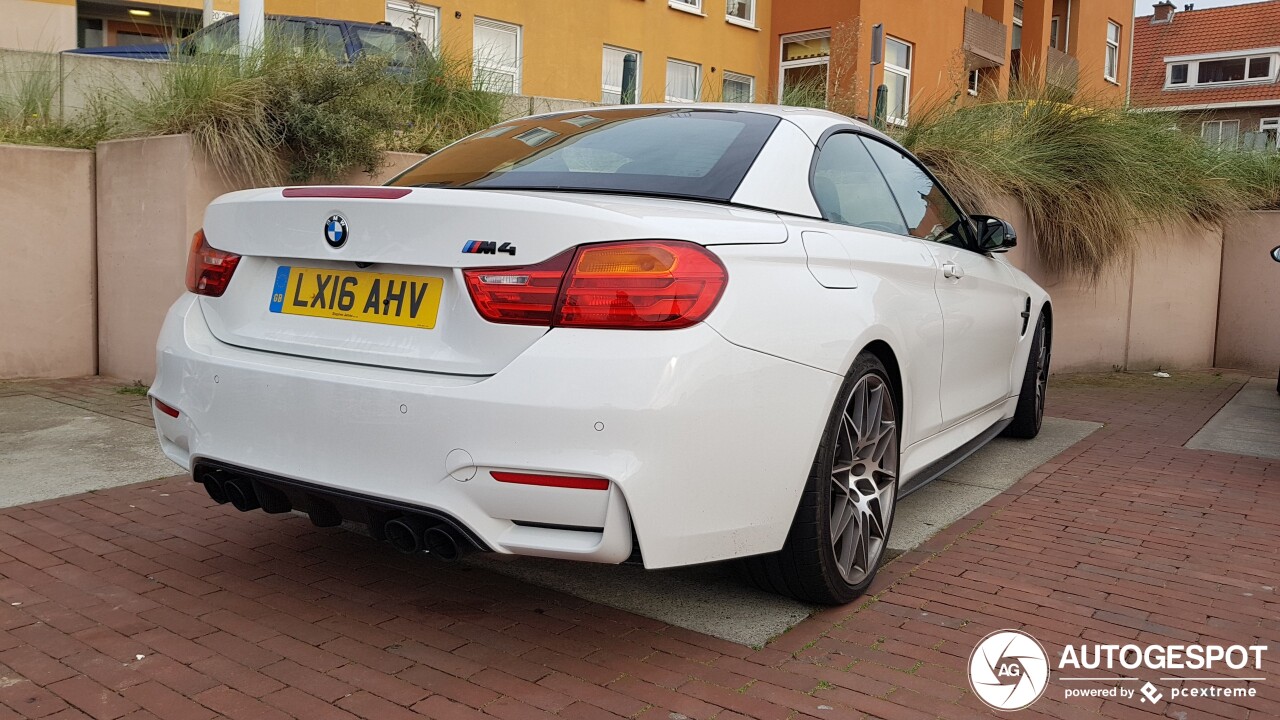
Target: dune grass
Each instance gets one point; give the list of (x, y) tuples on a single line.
[(279, 115), (28, 114), (282, 115), (1088, 173)]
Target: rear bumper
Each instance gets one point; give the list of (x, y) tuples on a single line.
[(706, 445)]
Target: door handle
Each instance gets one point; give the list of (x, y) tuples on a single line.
[(952, 271)]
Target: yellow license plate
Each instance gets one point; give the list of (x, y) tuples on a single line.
[(408, 300)]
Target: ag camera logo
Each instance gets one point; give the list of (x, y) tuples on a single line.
[(1008, 670)]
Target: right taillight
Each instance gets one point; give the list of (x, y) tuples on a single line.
[(209, 269), (638, 285)]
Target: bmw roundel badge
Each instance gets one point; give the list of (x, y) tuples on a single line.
[(335, 231)]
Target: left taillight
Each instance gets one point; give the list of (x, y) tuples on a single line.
[(209, 269)]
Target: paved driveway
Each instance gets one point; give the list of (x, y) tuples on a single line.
[(148, 601)]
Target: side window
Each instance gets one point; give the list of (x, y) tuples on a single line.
[(303, 36), (928, 212), (850, 190)]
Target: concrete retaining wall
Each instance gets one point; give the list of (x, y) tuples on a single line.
[(1155, 310), (152, 194), (1249, 308), (47, 327)]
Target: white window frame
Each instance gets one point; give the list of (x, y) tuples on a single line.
[(750, 20), (1110, 62), (1193, 68), (784, 65), (429, 14), (697, 81), (517, 70), (729, 75), (618, 88), (902, 72), (689, 6), (975, 82), (1220, 123)]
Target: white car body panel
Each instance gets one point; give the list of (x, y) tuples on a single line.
[(672, 439), (705, 434)]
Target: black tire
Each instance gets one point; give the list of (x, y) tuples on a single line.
[(1029, 415), (807, 567)]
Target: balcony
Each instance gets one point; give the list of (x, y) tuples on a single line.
[(984, 40), (1061, 70)]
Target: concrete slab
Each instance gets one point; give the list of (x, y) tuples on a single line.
[(48, 450), (712, 599), (1247, 425)]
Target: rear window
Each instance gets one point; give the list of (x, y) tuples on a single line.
[(701, 154)]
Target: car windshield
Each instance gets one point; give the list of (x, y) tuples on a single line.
[(701, 154)]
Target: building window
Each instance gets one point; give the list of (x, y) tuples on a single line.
[(1221, 70), (421, 19), (1270, 129), (497, 57), (689, 5), (683, 81), (89, 33), (1111, 70), (897, 77), (738, 88), (611, 75), (1054, 24), (1017, 25), (802, 76), (741, 11), (1220, 133)]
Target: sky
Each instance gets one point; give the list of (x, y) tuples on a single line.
[(1143, 7)]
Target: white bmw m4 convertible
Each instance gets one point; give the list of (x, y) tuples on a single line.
[(669, 334)]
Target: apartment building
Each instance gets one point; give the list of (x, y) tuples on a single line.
[(1217, 70), (684, 50), (943, 49)]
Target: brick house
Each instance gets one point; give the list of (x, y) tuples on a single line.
[(1216, 68)]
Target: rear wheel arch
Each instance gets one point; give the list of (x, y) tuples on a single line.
[(884, 353)]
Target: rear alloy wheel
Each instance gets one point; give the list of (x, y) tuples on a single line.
[(1029, 415), (841, 529)]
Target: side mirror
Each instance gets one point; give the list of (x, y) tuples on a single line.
[(994, 234), (1275, 253)]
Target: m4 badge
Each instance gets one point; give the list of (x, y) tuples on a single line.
[(484, 247)]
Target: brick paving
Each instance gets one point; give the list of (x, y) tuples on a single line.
[(149, 602)]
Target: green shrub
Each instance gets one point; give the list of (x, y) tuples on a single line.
[(1088, 174)]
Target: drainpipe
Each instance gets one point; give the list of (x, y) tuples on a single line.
[(208, 18)]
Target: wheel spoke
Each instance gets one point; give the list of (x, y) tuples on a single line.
[(863, 479)]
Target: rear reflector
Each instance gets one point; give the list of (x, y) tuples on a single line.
[(560, 481), (166, 409), (209, 269), (355, 192), (636, 285)]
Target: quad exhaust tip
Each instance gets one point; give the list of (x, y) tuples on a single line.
[(409, 534)]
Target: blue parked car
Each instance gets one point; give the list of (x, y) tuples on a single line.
[(343, 39)]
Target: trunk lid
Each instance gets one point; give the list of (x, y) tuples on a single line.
[(400, 264)]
